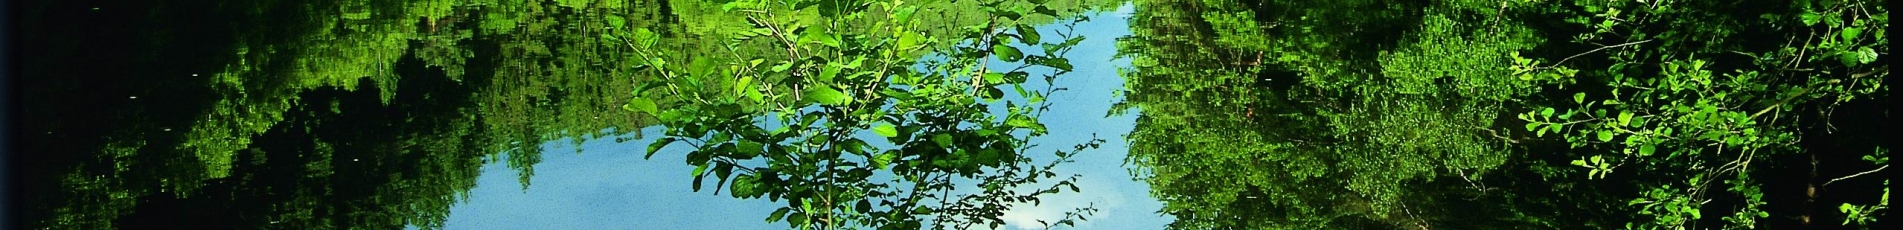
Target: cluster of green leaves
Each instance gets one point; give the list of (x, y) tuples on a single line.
[(1676, 111), (1325, 124), (842, 121), (1338, 145)]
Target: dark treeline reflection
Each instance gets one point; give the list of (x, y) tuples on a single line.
[(327, 113), (305, 114)]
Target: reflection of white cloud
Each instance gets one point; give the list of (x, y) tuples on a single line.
[(1104, 197)]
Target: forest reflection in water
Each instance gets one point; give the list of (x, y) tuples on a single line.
[(326, 114), (1303, 114)]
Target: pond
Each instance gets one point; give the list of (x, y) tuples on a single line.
[(963, 114)]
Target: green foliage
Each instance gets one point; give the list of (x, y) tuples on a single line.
[(794, 129), (1598, 113)]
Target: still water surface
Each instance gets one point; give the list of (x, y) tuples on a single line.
[(606, 187), (451, 114)]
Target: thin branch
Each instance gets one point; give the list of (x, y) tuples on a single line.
[(1855, 175), (1800, 93), (1563, 61), (1495, 134)]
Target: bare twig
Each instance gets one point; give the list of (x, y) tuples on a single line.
[(1855, 175), (1563, 61)]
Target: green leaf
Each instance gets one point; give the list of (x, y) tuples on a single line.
[(943, 140), (904, 14), (748, 149), (1849, 58), (1021, 122), (721, 172), (657, 145), (616, 21), (700, 172), (826, 95), (908, 40), (744, 85), (1547, 112), (1012, 15), (642, 105), (742, 187), (883, 159), (1647, 149), (1625, 118), (756, 96), (646, 38), (1007, 53), (1059, 63), (828, 73), (782, 67), (819, 36), (1866, 55), (1605, 135), (895, 94), (1045, 10), (1579, 97), (885, 130), (1809, 18), (777, 214), (1030, 34), (1850, 34)]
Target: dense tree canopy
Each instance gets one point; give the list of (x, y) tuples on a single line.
[(1507, 114)]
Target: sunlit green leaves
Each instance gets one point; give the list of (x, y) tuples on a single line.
[(642, 105), (645, 38), (1625, 118), (908, 40), (880, 161), (885, 130), (903, 15), (819, 36), (1810, 18), (826, 95), (861, 75), (827, 73)]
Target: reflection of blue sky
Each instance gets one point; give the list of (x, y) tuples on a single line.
[(609, 186)]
